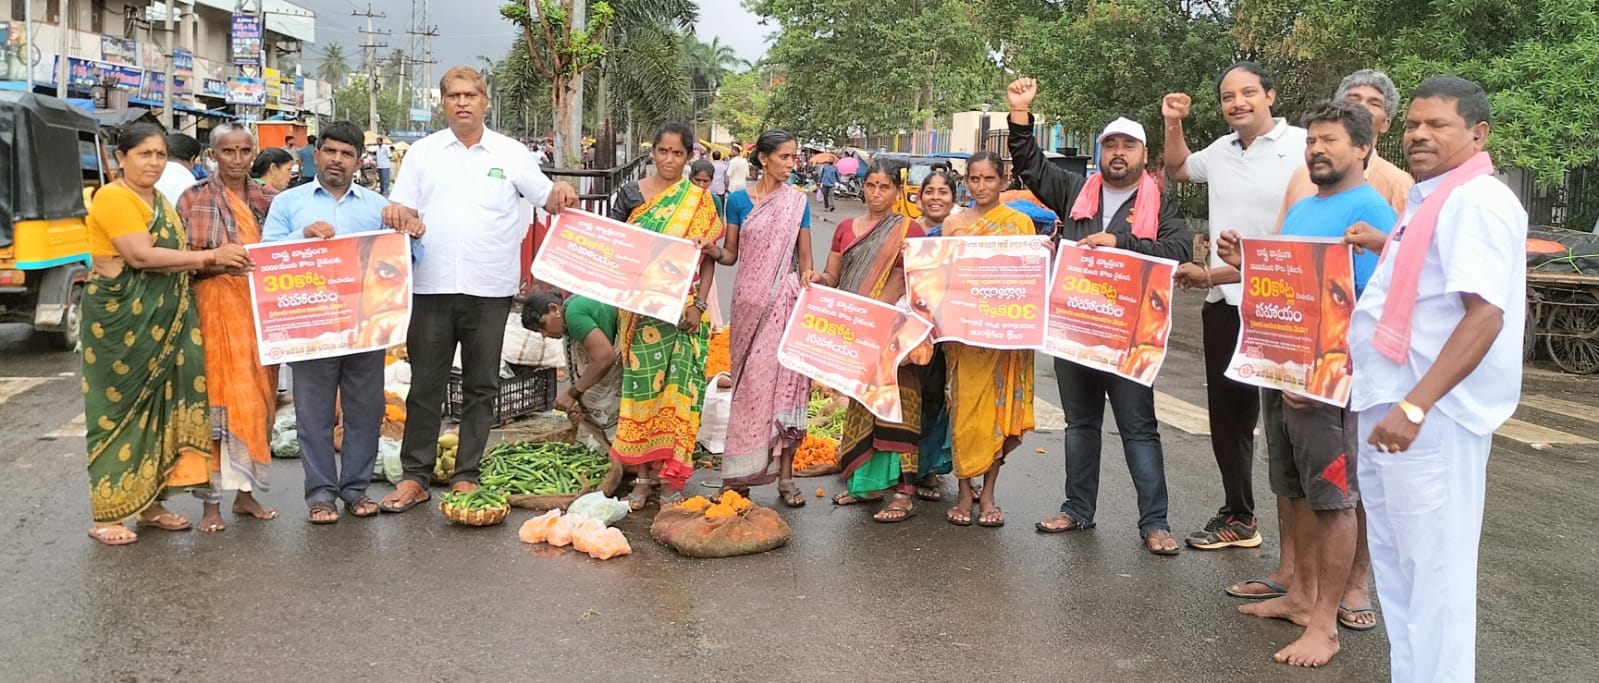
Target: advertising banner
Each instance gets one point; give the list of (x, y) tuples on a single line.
[(983, 291), (324, 298), (852, 343), (15, 58), (250, 91), (246, 40), (619, 264), (1110, 310), (124, 51), (1299, 294)]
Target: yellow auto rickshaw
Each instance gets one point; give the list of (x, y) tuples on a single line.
[(50, 154)]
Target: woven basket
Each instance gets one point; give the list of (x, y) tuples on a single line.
[(485, 517)]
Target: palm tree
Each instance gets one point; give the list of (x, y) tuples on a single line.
[(334, 67), (643, 65)]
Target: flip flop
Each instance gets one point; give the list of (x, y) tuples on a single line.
[(408, 504), (1074, 526), (992, 525), (102, 535), (950, 517), (845, 498), (1277, 590), (1351, 624), (1160, 551), (164, 522), (353, 505)]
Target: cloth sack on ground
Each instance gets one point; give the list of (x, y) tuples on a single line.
[(713, 417), (526, 347), (755, 530)]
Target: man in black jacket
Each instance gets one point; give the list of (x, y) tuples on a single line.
[(1104, 221)]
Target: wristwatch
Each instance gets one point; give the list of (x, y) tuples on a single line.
[(1412, 412)]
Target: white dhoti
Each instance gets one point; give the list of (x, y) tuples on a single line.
[(1424, 524)]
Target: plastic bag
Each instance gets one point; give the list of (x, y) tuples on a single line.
[(561, 532), (388, 465), (585, 530), (536, 530), (713, 417), (285, 436), (608, 543), (596, 505)]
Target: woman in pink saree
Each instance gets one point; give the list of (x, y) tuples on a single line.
[(769, 237)]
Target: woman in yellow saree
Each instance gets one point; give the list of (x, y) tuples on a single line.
[(144, 390), (986, 386), (663, 362)]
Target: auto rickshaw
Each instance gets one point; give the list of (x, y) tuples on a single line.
[(917, 168), (50, 157)]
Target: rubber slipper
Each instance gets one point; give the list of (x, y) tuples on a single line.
[(992, 525), (1074, 526), (352, 505), (950, 517), (324, 507), (408, 504), (1159, 551), (164, 522), (1277, 590), (845, 499), (104, 537), (1352, 624)]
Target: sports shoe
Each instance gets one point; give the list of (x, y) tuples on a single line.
[(1226, 532)]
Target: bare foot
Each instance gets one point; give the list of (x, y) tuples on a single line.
[(158, 516), (246, 504), (1284, 608), (1254, 587), (211, 519), (1315, 648)]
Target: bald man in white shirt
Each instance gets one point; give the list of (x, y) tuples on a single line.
[(467, 182)]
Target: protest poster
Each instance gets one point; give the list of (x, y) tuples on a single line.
[(615, 263), (323, 298), (1110, 310), (852, 343), (983, 291), (1299, 294)]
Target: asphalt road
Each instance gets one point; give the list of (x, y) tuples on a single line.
[(411, 597)]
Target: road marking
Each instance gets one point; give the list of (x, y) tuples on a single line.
[(1529, 433), (1182, 414), (76, 428), (10, 387), (1561, 407), (1046, 416)]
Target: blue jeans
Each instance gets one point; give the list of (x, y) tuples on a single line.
[(1082, 396), (383, 181)]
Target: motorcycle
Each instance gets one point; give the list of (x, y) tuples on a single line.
[(848, 188), (368, 177)]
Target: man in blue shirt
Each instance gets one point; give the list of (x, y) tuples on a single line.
[(307, 156), (332, 205), (829, 181), (1311, 445)]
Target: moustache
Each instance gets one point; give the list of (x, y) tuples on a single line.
[(1320, 160)]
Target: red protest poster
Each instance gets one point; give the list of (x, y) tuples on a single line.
[(853, 344), (983, 291), (618, 264), (1299, 294), (324, 298), (1110, 310)]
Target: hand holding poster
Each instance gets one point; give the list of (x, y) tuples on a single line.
[(853, 344), (334, 297), (983, 291), (1110, 310), (1298, 297), (618, 264)]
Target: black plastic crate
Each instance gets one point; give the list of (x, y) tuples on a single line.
[(531, 390)]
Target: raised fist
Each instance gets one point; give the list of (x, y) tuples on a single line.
[(1175, 106), (1021, 93)]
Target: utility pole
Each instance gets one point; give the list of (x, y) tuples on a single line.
[(372, 65), (61, 49), (171, 61), (575, 97), (422, 37)]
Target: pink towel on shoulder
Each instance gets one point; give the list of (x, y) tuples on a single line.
[(1393, 329), (1146, 208)]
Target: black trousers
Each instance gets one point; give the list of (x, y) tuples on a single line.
[(439, 322), (1234, 410)]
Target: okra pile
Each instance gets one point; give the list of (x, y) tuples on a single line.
[(542, 469)]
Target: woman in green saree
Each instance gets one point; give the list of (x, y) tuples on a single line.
[(663, 362), (144, 392)]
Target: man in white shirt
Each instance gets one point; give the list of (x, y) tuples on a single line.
[(468, 183), (1437, 338), (738, 170), (385, 161), (1247, 172), (182, 151)]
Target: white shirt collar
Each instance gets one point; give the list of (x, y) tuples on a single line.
[(1424, 189), (1276, 131)]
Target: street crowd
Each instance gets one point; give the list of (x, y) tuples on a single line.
[(1389, 488)]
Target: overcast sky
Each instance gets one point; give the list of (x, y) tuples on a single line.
[(468, 28)]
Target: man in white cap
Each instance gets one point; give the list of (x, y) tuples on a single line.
[(1118, 207)]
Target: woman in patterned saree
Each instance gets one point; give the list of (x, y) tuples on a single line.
[(663, 362), (143, 366), (874, 454), (769, 237), (986, 386)]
